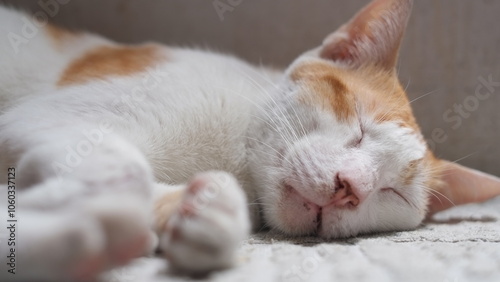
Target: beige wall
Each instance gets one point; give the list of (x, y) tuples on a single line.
[(449, 47)]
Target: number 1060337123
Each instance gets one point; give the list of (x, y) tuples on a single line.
[(11, 193)]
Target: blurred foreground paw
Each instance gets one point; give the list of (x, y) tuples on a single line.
[(211, 221)]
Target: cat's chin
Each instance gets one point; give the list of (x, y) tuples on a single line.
[(293, 214)]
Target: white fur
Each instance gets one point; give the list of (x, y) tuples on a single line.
[(206, 239), (308, 153), (146, 134)]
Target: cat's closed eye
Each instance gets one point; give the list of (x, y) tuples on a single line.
[(394, 191)]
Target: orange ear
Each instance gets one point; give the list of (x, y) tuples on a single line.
[(372, 36), (461, 185)]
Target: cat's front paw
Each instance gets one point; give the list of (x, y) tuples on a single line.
[(211, 221), (80, 242)]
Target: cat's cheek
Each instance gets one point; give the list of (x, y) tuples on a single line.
[(392, 213), (295, 215)]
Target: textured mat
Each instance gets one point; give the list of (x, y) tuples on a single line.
[(461, 244)]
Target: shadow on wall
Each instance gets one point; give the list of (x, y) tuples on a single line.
[(449, 59)]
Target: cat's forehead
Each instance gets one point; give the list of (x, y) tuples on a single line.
[(367, 94), (349, 93)]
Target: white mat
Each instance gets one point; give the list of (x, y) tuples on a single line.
[(462, 244)]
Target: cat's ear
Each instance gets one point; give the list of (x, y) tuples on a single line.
[(372, 36), (460, 185)]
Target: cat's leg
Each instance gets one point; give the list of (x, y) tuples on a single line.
[(94, 213), (201, 225), (73, 243)]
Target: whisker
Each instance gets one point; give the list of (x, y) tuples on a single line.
[(269, 146), (288, 125), (275, 125), (304, 133), (434, 192), (408, 84), (460, 159), (422, 96)]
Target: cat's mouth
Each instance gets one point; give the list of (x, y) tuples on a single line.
[(316, 214), (319, 225)]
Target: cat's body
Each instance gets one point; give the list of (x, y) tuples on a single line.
[(105, 133), (152, 108)]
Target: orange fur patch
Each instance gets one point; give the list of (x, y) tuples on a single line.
[(59, 35), (328, 89), (411, 171), (106, 61), (164, 208), (374, 91)]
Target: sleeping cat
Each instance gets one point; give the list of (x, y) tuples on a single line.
[(115, 149)]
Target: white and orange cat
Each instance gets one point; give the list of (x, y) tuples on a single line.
[(108, 144)]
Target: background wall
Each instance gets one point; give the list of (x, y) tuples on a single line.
[(451, 50)]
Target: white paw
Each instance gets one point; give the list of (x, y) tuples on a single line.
[(208, 226), (64, 245)]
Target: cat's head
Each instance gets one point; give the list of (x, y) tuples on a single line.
[(339, 152)]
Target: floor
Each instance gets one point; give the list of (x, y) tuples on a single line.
[(461, 244)]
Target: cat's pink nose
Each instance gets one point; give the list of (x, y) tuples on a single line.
[(346, 193)]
